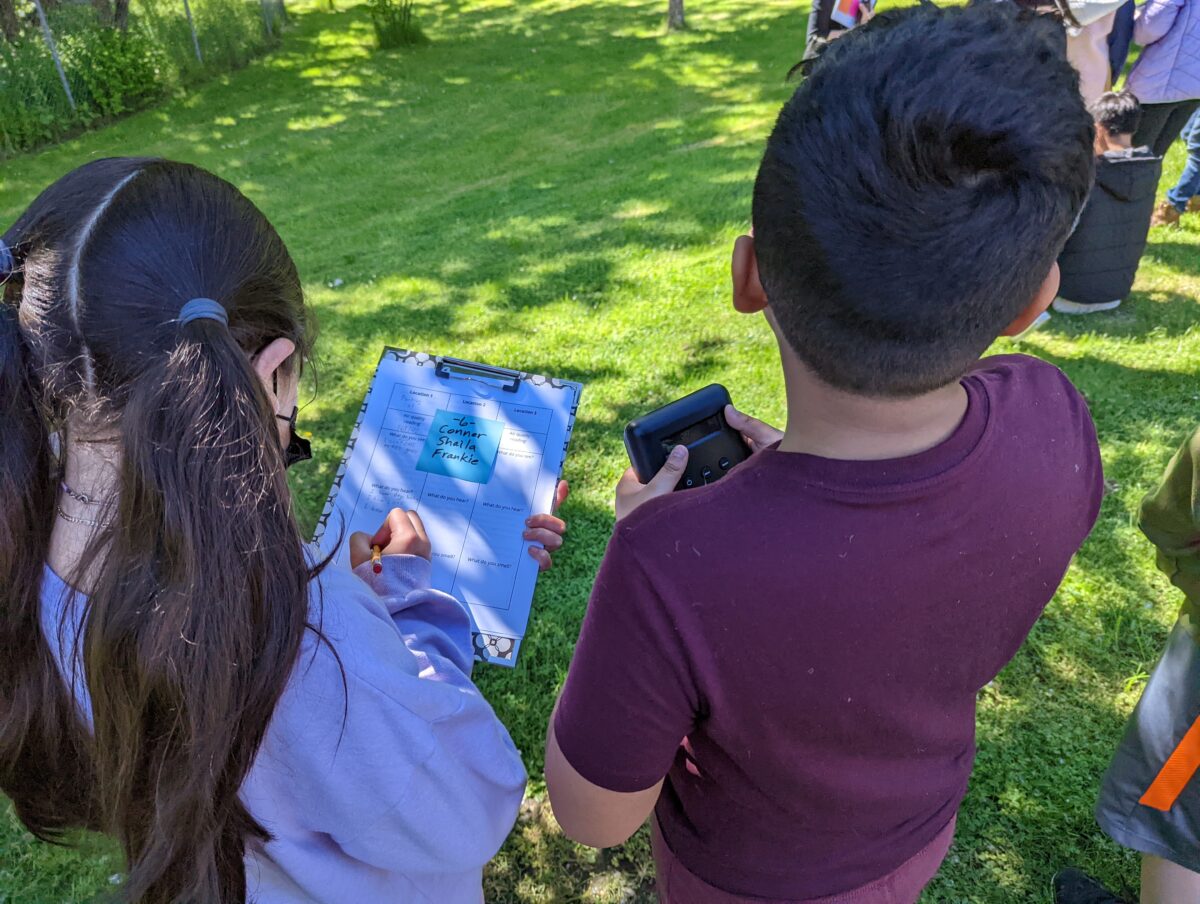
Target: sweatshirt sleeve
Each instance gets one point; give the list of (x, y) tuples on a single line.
[(381, 743), (1154, 19), (1170, 519), (435, 626)]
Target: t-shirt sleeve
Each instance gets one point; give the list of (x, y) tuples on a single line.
[(1170, 518), (630, 697)]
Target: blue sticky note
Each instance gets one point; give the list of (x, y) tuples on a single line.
[(462, 446)]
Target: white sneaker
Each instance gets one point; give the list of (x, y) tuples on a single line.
[(1041, 320), (1073, 307)]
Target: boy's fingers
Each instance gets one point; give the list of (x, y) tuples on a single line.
[(629, 482), (755, 432), (667, 478), (541, 557), (560, 495), (548, 538), (549, 522)]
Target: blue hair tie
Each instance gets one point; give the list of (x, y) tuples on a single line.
[(7, 262), (203, 309)]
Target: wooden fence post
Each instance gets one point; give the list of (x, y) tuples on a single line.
[(54, 53)]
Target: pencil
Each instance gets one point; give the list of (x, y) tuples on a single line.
[(376, 559)]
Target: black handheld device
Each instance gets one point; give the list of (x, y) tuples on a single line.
[(696, 421)]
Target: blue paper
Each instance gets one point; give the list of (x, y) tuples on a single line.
[(462, 446)]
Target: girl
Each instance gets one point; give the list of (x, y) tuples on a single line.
[(179, 671)]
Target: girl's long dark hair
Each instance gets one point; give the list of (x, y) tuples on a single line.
[(198, 588)]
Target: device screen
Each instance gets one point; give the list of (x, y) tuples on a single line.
[(693, 434)]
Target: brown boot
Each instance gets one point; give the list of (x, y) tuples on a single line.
[(1165, 214), (1194, 205)]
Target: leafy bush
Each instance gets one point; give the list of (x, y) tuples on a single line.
[(33, 108), (395, 25), (111, 72), (114, 72)]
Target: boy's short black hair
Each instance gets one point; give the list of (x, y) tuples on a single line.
[(1119, 112), (916, 191)]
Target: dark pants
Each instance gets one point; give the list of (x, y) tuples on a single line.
[(1162, 123)]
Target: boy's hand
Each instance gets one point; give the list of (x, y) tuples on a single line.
[(756, 434), (402, 534), (631, 493), (547, 530)]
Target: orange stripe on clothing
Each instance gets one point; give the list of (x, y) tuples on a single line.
[(1176, 772)]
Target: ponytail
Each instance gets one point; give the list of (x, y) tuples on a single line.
[(198, 581), (183, 687), (43, 758)]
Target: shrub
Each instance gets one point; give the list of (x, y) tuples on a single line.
[(33, 108), (111, 72), (395, 25), (115, 72)]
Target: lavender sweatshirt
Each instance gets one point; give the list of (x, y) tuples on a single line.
[(409, 797), (1169, 68)]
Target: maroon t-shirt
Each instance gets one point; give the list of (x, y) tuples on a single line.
[(798, 647)]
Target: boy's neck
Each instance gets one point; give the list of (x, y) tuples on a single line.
[(831, 423), (1109, 142)]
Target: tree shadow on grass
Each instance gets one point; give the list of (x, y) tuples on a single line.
[(1181, 257), (1050, 723), (1144, 312)]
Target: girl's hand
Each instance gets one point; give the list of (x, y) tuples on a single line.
[(547, 530), (402, 534)]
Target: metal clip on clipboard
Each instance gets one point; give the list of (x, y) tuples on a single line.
[(449, 368)]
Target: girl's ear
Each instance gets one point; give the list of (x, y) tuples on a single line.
[(270, 359)]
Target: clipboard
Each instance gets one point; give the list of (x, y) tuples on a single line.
[(475, 450)]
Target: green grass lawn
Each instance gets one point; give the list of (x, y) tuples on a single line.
[(555, 186)]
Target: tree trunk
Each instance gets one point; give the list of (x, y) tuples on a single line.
[(675, 21), (121, 14), (104, 12), (10, 25)]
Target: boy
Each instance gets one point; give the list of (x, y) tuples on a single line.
[(784, 664), (1150, 797), (1182, 198), (1101, 258)]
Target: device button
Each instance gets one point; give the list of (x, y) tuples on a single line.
[(707, 474), (689, 482), (725, 464)]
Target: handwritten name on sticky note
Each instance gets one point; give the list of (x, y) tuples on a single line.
[(462, 446)]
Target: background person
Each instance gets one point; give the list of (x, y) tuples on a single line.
[(1150, 796), (1088, 46), (1166, 77), (1100, 260), (1181, 198), (1120, 38)]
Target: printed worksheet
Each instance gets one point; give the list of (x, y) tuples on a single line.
[(474, 450)]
